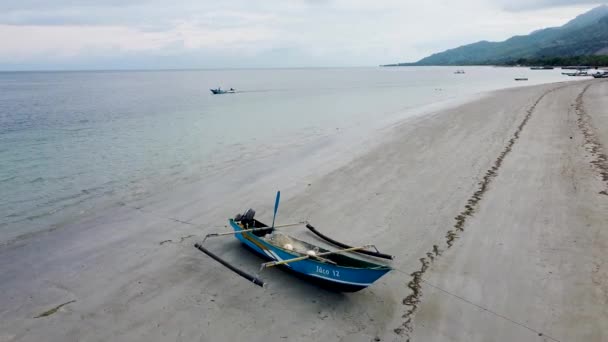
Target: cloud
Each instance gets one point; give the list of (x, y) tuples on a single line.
[(243, 33), (138, 12), (67, 41), (525, 5)]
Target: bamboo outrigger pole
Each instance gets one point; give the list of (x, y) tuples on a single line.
[(283, 262), (251, 278), (253, 230)]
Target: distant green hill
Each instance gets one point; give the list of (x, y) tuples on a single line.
[(585, 35)]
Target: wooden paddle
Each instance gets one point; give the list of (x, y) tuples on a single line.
[(276, 207)]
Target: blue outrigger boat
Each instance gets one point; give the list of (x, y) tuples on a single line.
[(330, 269)]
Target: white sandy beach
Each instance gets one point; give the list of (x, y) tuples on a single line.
[(527, 260)]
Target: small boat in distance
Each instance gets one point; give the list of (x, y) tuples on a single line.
[(576, 67), (521, 78), (577, 73), (219, 91), (603, 74), (541, 68), (330, 269), (460, 71)]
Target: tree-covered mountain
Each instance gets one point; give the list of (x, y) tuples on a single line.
[(585, 35)]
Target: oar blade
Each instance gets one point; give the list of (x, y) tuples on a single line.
[(276, 207)]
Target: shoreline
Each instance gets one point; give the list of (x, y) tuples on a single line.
[(126, 283), (337, 152), (40, 199)]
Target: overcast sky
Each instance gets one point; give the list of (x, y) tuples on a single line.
[(107, 34)]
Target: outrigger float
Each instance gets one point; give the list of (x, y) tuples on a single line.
[(331, 269)]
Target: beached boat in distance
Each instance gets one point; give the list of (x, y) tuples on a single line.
[(459, 71), (219, 91), (330, 269), (577, 73), (600, 74), (542, 68), (576, 67), (521, 78)]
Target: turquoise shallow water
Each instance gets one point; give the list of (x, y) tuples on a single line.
[(72, 141)]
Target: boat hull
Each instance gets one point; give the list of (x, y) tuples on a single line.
[(330, 276), (220, 92)]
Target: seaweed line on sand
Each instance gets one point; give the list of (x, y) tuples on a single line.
[(591, 142), (413, 299), (53, 310)]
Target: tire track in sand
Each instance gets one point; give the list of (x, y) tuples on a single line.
[(599, 161), (411, 301)]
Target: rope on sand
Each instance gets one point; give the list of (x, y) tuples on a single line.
[(494, 313)]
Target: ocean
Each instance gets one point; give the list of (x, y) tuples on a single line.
[(72, 143)]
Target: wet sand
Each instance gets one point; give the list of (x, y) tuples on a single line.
[(495, 210)]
